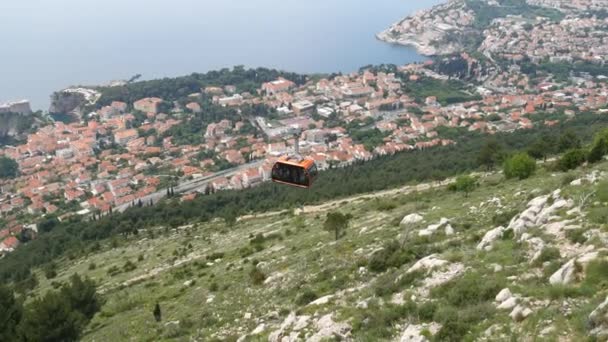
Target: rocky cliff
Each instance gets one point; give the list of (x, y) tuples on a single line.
[(67, 103), (14, 124), (73, 101)]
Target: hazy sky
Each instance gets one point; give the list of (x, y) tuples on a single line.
[(50, 44)]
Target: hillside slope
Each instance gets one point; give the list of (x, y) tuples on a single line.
[(445, 272)]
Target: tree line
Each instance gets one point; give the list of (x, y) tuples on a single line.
[(177, 88), (57, 316)]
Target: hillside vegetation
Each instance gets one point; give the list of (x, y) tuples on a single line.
[(486, 258), (76, 237)]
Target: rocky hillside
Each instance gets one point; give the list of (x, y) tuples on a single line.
[(511, 260)]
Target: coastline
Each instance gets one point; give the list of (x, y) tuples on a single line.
[(409, 41), (427, 30)]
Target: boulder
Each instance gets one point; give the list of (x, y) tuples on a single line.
[(321, 301), (449, 230), (259, 329), (508, 304), (427, 263), (488, 239), (565, 275), (411, 219), (520, 313), (503, 295)]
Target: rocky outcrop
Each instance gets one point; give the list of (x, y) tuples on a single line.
[(538, 212), (569, 271), (505, 300), (427, 263), (73, 101), (325, 327), (437, 271)]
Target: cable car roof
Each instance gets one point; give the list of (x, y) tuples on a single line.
[(305, 163)]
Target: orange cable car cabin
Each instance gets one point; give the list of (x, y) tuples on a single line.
[(295, 172)]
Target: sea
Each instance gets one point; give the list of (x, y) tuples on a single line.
[(46, 46)]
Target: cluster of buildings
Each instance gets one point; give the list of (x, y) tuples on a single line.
[(108, 161), (567, 5), (574, 38)]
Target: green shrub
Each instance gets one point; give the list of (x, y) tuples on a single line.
[(520, 166), (257, 276), (598, 215), (376, 323), (214, 256), (391, 255), (464, 184), (572, 159), (213, 287), (576, 235), (567, 179), (456, 323), (305, 297), (599, 148), (114, 270), (596, 274), (129, 266), (384, 204), (503, 218), (50, 272), (472, 288), (602, 192), (426, 311), (246, 251), (548, 254), (559, 291)]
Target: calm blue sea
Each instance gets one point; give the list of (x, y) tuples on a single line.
[(46, 45)]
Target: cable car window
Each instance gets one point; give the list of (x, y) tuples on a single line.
[(290, 174)]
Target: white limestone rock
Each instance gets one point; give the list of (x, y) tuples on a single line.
[(489, 238), (327, 328), (565, 275), (508, 304), (411, 219), (413, 332), (427, 263), (503, 295), (321, 301)]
